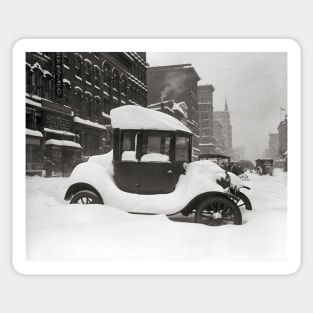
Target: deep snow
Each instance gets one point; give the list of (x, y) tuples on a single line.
[(59, 231)]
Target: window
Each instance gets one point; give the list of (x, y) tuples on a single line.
[(115, 79), (88, 70), (65, 59), (106, 73), (124, 84), (97, 75), (48, 88), (37, 83), (156, 148), (106, 106), (88, 106), (182, 148), (129, 141), (97, 109), (78, 64), (28, 79), (66, 92), (78, 101)]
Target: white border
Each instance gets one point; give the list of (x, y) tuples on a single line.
[(23, 266)]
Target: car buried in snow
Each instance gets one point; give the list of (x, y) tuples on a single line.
[(150, 171)]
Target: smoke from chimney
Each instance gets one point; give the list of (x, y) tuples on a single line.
[(175, 84)]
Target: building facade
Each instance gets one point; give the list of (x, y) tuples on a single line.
[(69, 96), (224, 118), (177, 83), (206, 128), (283, 141), (220, 146), (273, 146)]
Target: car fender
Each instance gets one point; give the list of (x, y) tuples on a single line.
[(196, 200), (86, 176)]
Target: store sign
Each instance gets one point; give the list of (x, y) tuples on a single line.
[(57, 122), (58, 75)]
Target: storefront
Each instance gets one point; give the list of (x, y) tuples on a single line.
[(60, 148), (34, 152)]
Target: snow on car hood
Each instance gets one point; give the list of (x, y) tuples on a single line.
[(98, 172)]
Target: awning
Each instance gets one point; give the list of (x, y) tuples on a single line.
[(64, 143), (59, 132)]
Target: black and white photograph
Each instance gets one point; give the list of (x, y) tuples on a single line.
[(156, 156)]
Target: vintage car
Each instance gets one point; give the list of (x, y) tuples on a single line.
[(264, 166), (150, 171), (232, 168)]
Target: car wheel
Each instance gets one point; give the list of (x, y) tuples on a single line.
[(217, 211), (85, 197), (243, 201)]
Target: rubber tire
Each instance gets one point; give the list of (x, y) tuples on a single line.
[(231, 204), (85, 193), (245, 200)]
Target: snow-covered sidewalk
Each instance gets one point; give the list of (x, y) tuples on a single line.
[(59, 231)]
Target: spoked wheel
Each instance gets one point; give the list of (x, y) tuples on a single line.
[(217, 211), (85, 197), (243, 201)]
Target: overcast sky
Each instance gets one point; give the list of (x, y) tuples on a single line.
[(255, 85)]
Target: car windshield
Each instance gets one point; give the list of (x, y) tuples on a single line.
[(155, 147)]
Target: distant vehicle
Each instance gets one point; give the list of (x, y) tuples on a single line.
[(150, 171), (264, 166)]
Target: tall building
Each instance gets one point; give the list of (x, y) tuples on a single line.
[(220, 146), (224, 118), (206, 129), (68, 101), (177, 83), (273, 146), (283, 141)]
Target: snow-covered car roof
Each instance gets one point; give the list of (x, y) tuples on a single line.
[(137, 117)]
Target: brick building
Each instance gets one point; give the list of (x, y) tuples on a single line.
[(177, 83), (206, 129), (68, 101), (224, 118)]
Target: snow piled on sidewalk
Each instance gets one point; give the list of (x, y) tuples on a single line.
[(58, 231)]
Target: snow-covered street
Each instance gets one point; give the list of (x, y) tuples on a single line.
[(59, 231)]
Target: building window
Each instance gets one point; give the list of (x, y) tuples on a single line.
[(37, 83), (65, 59), (28, 79), (78, 101), (97, 75), (115, 79), (78, 64), (106, 73), (48, 88), (88, 70), (123, 84), (106, 106), (97, 108), (88, 105), (66, 92)]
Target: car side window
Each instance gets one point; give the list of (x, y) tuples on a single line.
[(129, 146), (182, 148)]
